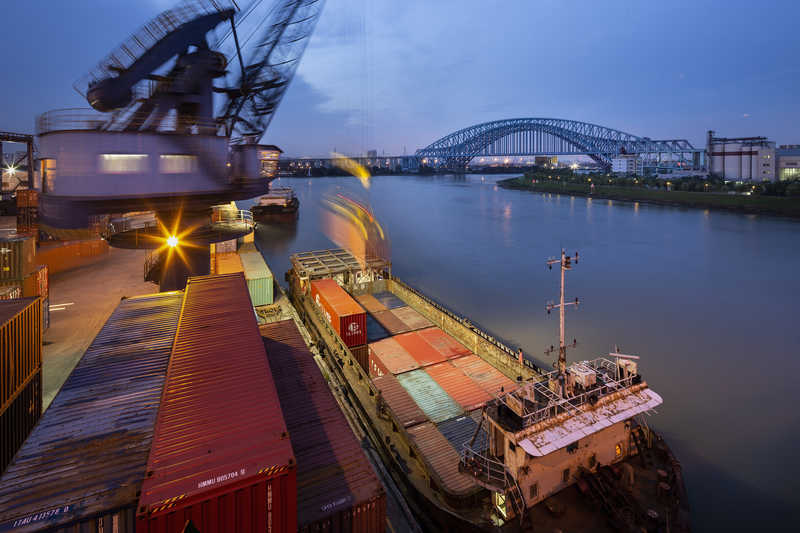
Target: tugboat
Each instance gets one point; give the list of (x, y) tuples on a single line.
[(278, 205), (476, 435)]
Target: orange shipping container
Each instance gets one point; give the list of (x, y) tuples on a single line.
[(387, 356), (37, 283), (443, 343), (422, 352), (67, 255), (348, 318), (485, 375), (227, 263), (459, 386), (20, 346)]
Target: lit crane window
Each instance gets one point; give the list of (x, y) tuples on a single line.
[(122, 163), (177, 164)]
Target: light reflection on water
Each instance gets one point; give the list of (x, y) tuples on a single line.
[(708, 299)]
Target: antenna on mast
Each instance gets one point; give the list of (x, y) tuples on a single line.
[(566, 263)]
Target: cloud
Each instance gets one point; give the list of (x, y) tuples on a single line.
[(745, 115)]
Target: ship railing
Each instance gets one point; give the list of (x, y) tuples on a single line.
[(514, 354), (84, 119), (485, 469), (233, 217)]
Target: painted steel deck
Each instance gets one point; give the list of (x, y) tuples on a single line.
[(87, 456)]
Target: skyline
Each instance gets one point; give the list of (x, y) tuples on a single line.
[(380, 76)]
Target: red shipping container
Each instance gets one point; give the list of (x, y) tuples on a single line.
[(387, 356), (361, 353), (459, 386), (485, 375), (348, 318), (399, 401), (444, 343), (419, 349), (221, 455)]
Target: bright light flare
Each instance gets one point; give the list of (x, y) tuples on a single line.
[(172, 241), (352, 167)]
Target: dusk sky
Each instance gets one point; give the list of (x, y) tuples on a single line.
[(385, 75)]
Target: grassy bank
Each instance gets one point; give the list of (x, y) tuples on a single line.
[(768, 205)]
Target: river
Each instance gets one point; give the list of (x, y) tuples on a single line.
[(708, 299)]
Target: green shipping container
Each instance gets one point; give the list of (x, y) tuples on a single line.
[(258, 276), (16, 257)]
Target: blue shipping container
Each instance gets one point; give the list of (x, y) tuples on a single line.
[(83, 464)]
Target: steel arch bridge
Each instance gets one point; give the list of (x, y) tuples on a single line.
[(545, 136)]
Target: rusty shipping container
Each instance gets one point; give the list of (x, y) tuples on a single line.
[(361, 353), (459, 386), (37, 283), (221, 455), (370, 303), (391, 322), (422, 352), (429, 395), (18, 419), (17, 253), (83, 464), (443, 343), (337, 490), (399, 402), (348, 318), (63, 256), (485, 375), (389, 357), (227, 263), (411, 318), (20, 346)]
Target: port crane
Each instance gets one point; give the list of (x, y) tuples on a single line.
[(177, 114)]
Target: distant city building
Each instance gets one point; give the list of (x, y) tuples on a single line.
[(788, 162), (372, 153), (545, 161), (626, 164), (741, 158)]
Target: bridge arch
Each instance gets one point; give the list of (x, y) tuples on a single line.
[(541, 136)]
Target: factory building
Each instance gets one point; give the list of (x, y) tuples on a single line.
[(788, 162), (741, 158), (627, 164)]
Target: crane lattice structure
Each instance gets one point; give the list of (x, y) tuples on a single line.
[(546, 136)]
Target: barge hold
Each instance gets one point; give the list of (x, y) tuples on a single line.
[(279, 205), (82, 467), (495, 443)]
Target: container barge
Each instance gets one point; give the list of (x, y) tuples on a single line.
[(279, 205), (477, 436)]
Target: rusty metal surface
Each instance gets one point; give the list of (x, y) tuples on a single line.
[(405, 409), (411, 318), (219, 424), (370, 303), (391, 356), (459, 386), (429, 395), (444, 343), (333, 474), (88, 453), (441, 458), (391, 322), (488, 377), (422, 352)]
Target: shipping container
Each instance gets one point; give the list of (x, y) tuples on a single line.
[(36, 283), (361, 353), (485, 375), (221, 455), (259, 278), (422, 352), (17, 253), (391, 322), (399, 402), (459, 386), (82, 467), (389, 357), (10, 292), (227, 263), (344, 314), (225, 246), (66, 255), (431, 398), (337, 489), (461, 430), (389, 300), (27, 198), (17, 421), (375, 331), (370, 303), (411, 318), (441, 458), (443, 343), (20, 346)]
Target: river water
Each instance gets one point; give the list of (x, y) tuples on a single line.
[(708, 299)]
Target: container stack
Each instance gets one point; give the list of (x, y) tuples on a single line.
[(82, 467), (66, 255), (337, 489), (258, 275), (20, 373), (345, 315), (28, 211), (221, 455)]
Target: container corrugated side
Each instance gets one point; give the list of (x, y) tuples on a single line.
[(259, 278), (440, 457), (391, 322), (429, 395), (459, 386), (16, 257), (389, 356), (361, 353), (411, 318), (344, 314), (20, 346), (397, 399), (337, 489), (443, 343), (461, 430), (63, 256), (220, 438), (485, 375), (422, 352), (85, 459), (19, 418), (227, 263)]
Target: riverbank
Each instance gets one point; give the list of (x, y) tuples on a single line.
[(762, 205)]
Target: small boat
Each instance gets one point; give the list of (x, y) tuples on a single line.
[(279, 204)]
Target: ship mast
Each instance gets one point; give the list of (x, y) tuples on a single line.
[(566, 264)]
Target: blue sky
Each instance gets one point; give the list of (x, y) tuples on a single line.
[(386, 75)]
